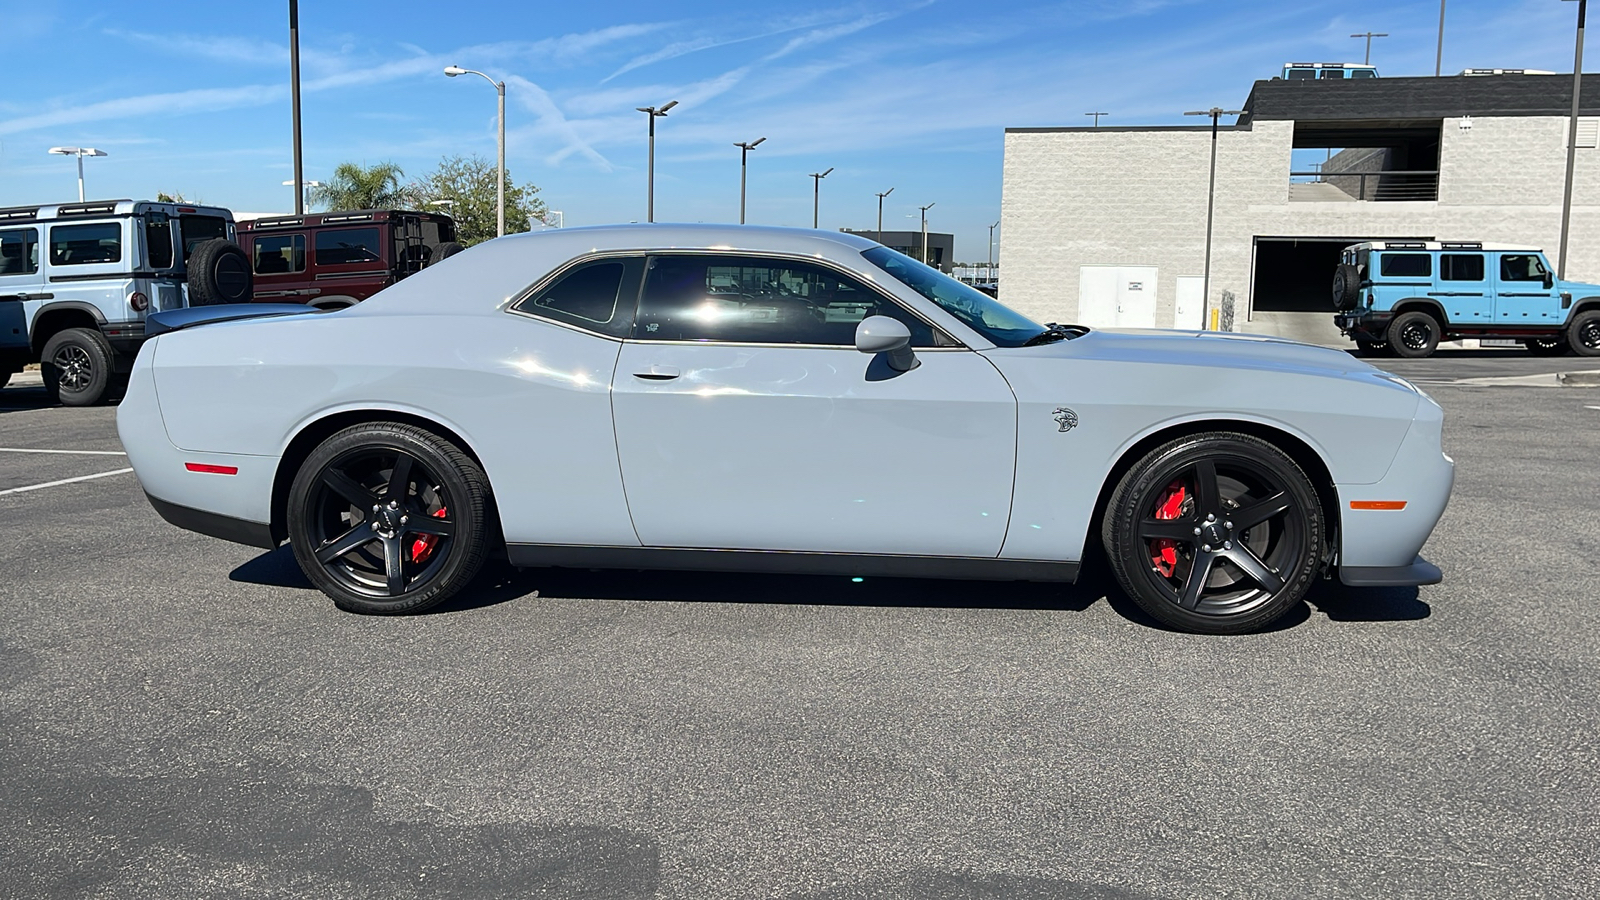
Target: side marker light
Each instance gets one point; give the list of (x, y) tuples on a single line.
[(211, 470), (1377, 504)]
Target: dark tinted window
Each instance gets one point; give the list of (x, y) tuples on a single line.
[(760, 301), (348, 245), (199, 229), (77, 245), (597, 296), (1333, 73), (1363, 73), (19, 251), (278, 254), (1461, 267), (1407, 265), (1302, 74), (1521, 267), (158, 240)]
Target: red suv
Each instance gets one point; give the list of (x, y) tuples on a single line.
[(336, 259)]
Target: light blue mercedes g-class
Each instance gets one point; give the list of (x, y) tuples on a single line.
[(1404, 297)]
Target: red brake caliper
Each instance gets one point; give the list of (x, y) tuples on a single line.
[(1164, 553), (422, 547)]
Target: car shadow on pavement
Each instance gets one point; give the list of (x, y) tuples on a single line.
[(1374, 604), (19, 399)]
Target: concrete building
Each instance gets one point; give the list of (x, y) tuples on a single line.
[(941, 247), (1106, 226)]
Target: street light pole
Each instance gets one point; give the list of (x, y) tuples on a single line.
[(304, 194), (925, 231), (882, 195), (1097, 116), (500, 192), (1438, 58), (744, 154), (1369, 35), (816, 193), (991, 249), (1572, 142), (1211, 198), (80, 153), (652, 113), (294, 99)]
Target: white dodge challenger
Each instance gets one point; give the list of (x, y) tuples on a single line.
[(781, 400)]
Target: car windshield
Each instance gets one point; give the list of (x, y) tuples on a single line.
[(1003, 326)]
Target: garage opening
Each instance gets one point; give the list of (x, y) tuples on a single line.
[(1296, 274)]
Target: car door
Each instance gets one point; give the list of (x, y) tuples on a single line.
[(88, 265), (746, 419), (1524, 295), (1463, 288), (21, 282)]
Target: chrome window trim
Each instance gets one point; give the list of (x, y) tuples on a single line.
[(559, 272)]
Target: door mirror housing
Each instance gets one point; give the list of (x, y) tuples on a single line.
[(1549, 281), (881, 334)]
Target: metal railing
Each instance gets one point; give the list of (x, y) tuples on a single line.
[(1378, 186)]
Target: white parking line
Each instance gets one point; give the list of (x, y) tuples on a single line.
[(1592, 407), (35, 487), (81, 452)]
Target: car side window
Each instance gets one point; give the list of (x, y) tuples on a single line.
[(19, 251), (348, 245), (1461, 267), (1521, 267), (279, 254), (158, 240), (77, 245), (596, 296), (1407, 265), (752, 300)]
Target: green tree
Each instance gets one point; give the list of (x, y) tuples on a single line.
[(469, 182), (164, 197), (354, 186)]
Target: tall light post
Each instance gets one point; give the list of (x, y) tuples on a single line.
[(1438, 58), (925, 231), (80, 153), (1097, 116), (1369, 35), (651, 113), (816, 193), (294, 99), (991, 249), (1572, 142), (500, 194), (302, 197), (881, 195), (1211, 198), (744, 155)]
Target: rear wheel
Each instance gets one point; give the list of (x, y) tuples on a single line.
[(387, 518), (1372, 348), (76, 366), (1414, 335), (1583, 335), (1215, 533), (1547, 346)]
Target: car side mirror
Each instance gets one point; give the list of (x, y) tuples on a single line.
[(881, 334), (1549, 281)]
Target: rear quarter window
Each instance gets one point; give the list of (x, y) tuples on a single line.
[(78, 245), (1406, 265), (348, 245)]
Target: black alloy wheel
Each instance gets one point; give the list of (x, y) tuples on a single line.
[(388, 518), (1215, 533), (1413, 335), (77, 366), (1583, 334), (1546, 346)]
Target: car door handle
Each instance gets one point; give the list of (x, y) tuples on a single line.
[(659, 373), (36, 296)]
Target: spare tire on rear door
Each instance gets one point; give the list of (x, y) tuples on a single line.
[(219, 272), (447, 250), (1346, 287)]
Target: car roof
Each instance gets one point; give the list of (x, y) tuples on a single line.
[(700, 236), (105, 208), (1443, 245), (342, 217)]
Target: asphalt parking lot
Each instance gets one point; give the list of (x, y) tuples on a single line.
[(181, 717)]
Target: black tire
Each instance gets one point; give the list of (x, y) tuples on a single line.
[(447, 250), (1372, 348), (76, 365), (1236, 490), (385, 494), (219, 272), (1547, 346), (1413, 335), (1346, 287), (1583, 333)]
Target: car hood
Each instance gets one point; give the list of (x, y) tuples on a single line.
[(1209, 349), (1578, 288)]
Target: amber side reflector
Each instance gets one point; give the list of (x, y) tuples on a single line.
[(1377, 504), (211, 470)]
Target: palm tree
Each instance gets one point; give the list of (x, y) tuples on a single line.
[(354, 186)]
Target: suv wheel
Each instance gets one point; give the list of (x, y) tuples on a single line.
[(1546, 346), (1413, 335), (1215, 533), (1372, 348), (1584, 333), (77, 366)]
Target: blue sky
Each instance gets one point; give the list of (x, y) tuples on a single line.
[(914, 95)]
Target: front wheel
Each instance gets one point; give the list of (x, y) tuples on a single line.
[(387, 518), (1546, 346), (1215, 533), (1583, 335)]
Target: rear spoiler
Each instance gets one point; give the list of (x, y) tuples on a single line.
[(188, 317)]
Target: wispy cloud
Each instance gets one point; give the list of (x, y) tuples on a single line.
[(534, 99), (176, 103), (218, 48)]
